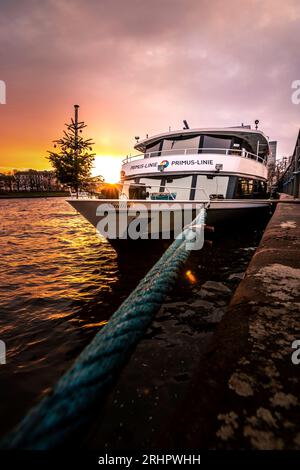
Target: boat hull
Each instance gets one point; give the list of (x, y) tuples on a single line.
[(221, 214)]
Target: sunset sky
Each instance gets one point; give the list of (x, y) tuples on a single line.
[(137, 67)]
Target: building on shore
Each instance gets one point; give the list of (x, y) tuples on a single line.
[(30, 181)]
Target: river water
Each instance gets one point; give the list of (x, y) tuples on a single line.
[(59, 284)]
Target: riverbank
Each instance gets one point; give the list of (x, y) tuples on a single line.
[(31, 194)]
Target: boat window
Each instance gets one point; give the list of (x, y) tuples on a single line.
[(238, 145), (153, 184), (214, 144), (244, 188), (259, 189), (181, 146), (248, 188), (262, 150), (179, 187), (153, 150), (214, 187)]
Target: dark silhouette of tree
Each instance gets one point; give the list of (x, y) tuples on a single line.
[(74, 161), (9, 180)]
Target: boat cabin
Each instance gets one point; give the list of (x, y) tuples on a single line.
[(197, 164)]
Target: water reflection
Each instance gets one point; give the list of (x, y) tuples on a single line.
[(59, 285)]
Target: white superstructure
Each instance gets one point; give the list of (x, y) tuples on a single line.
[(225, 169), (224, 163)]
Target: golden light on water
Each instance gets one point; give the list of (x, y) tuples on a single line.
[(107, 166), (190, 276)]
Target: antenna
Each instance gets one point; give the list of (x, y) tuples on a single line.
[(186, 126), (256, 122)]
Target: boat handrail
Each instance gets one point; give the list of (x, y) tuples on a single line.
[(191, 151), (81, 194), (125, 183)]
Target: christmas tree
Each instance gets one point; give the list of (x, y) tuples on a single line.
[(73, 162)]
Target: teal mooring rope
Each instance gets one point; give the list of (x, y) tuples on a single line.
[(81, 391)]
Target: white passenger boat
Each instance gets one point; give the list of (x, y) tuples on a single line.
[(180, 171)]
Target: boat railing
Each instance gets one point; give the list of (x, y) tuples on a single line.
[(169, 191), (81, 194), (192, 151)]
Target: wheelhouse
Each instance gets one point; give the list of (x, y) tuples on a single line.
[(228, 141)]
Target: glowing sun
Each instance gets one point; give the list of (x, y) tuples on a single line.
[(107, 166)]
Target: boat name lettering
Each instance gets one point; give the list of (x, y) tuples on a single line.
[(135, 167), (142, 165), (173, 163), (193, 162), (149, 165)]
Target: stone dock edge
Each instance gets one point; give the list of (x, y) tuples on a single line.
[(245, 392)]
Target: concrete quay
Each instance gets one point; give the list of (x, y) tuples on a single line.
[(245, 393)]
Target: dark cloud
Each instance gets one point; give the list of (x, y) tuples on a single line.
[(143, 66)]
